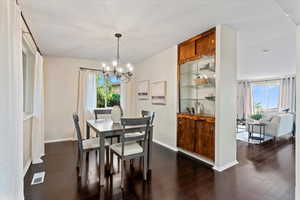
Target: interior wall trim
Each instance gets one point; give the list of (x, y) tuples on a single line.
[(27, 165), (197, 157), (165, 145), (224, 167)]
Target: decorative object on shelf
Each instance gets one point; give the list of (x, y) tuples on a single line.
[(189, 110), (199, 108), (116, 114), (159, 92), (143, 90), (211, 98), (201, 80), (120, 71)]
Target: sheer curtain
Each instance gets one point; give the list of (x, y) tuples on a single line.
[(11, 102), (87, 98), (128, 98), (244, 109), (38, 111), (288, 93)]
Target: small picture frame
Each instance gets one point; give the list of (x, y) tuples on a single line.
[(143, 90), (159, 93)]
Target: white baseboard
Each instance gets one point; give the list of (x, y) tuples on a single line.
[(37, 161), (196, 157), (27, 165), (185, 152), (165, 145), (224, 167), (59, 140)]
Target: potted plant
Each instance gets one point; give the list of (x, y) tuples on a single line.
[(257, 116)]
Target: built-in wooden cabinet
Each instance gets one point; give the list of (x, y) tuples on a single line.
[(187, 51), (195, 133), (195, 120), (186, 129), (201, 45)]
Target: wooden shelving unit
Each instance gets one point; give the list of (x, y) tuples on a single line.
[(196, 130)]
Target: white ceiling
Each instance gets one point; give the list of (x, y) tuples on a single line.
[(292, 8), (84, 29)]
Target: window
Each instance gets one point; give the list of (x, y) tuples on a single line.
[(108, 91), (28, 77), (265, 96)]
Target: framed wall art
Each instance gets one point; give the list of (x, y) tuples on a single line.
[(159, 92), (143, 90)]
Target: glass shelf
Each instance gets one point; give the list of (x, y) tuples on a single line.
[(199, 71), (192, 99), (195, 93), (199, 86)]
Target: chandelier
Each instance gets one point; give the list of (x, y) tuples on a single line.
[(122, 72)]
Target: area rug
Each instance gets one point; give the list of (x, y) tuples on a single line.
[(243, 136)]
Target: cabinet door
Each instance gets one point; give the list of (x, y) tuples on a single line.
[(210, 129), (212, 44), (187, 51), (202, 46), (186, 134), (204, 139)]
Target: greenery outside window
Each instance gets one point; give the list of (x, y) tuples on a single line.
[(108, 91)]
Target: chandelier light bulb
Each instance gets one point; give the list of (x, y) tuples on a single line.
[(107, 68), (103, 65), (130, 68), (114, 63), (120, 69)]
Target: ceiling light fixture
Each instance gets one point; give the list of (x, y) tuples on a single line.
[(118, 70)]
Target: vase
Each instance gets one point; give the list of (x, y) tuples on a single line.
[(116, 114)]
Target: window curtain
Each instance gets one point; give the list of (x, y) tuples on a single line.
[(87, 98), (244, 100), (11, 102), (128, 98), (38, 111), (288, 93)]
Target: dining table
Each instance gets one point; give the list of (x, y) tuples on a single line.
[(106, 128)]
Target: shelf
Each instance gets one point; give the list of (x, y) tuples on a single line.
[(192, 99), (198, 71), (198, 86)]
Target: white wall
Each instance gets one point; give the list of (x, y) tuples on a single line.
[(161, 67), (298, 119), (226, 84), (27, 136), (60, 76)]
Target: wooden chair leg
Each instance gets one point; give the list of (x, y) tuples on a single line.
[(111, 162), (81, 165), (122, 173), (107, 157), (87, 154), (145, 166), (118, 156), (141, 161), (78, 160)]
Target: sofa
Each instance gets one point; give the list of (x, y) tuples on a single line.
[(277, 124)]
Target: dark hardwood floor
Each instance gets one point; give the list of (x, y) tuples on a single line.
[(264, 172)]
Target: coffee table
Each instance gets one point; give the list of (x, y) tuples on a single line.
[(262, 131)]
